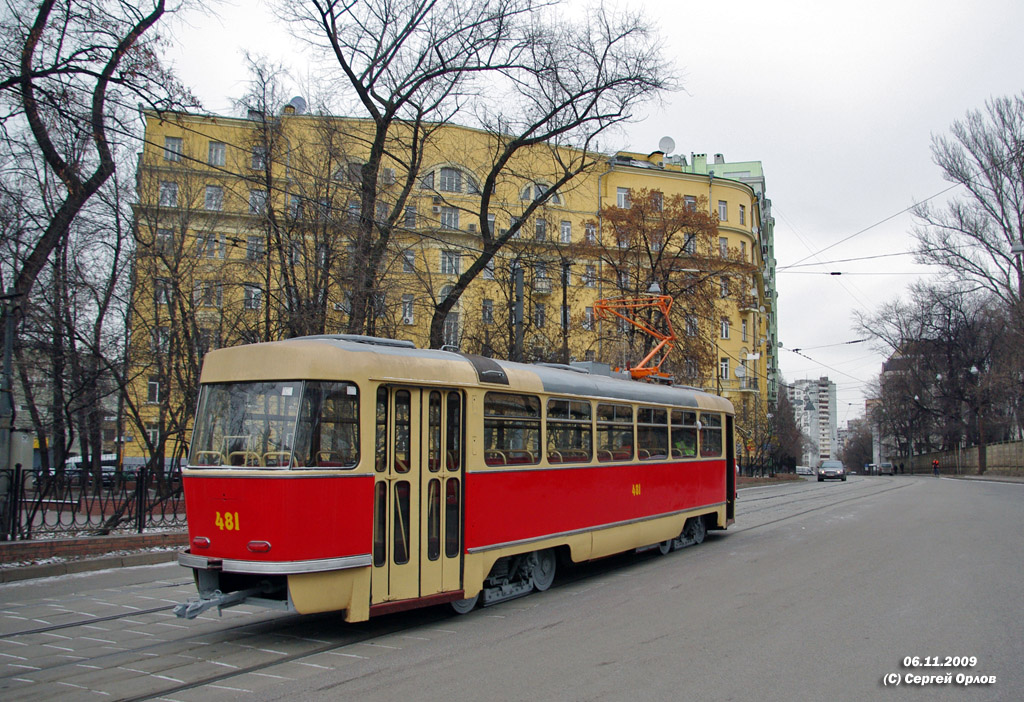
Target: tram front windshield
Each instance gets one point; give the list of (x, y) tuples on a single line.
[(281, 424)]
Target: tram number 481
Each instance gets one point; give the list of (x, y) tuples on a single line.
[(228, 521), (636, 489)]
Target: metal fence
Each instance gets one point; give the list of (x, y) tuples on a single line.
[(82, 502)]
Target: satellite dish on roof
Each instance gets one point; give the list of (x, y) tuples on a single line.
[(666, 145)]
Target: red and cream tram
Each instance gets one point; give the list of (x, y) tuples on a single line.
[(365, 475)]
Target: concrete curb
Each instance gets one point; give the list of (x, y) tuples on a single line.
[(84, 565)]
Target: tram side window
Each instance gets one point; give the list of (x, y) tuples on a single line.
[(614, 432), (453, 441), (710, 434), (245, 425), (327, 434), (684, 434), (511, 429), (381, 440), (651, 433), (434, 432), (569, 431)]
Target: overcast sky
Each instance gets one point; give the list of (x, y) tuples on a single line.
[(839, 102)]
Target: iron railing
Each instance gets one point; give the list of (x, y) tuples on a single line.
[(81, 502)]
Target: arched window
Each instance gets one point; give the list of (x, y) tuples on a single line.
[(449, 179), (535, 191)]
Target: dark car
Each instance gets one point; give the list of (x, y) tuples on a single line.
[(831, 470)]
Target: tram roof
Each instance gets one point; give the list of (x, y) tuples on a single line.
[(347, 357)]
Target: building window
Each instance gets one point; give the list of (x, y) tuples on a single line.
[(217, 154), (451, 180), (588, 318), (723, 287), (160, 340), (590, 233), (692, 328), (623, 277), (565, 232), (622, 198), (257, 201), (408, 312), (450, 333), (743, 250), (153, 389), (259, 157), (743, 214), (168, 194), (449, 218), (723, 210), (153, 433), (590, 277), (164, 241), (210, 245), (488, 272), (490, 224), (214, 198), (743, 330), (255, 248), (487, 312), (540, 230), (725, 328), (408, 262), (172, 148), (209, 294), (723, 368), (450, 263), (723, 246), (427, 181), (410, 217), (539, 315), (253, 296), (690, 202), (162, 291), (690, 246)]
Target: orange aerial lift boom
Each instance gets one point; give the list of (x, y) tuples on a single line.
[(627, 308)]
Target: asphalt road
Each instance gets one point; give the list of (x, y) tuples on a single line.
[(820, 591)]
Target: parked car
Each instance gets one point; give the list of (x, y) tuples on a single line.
[(886, 469), (831, 470), (804, 470)]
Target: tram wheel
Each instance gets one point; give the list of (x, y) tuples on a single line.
[(665, 547), (544, 570), (467, 605), (696, 529)]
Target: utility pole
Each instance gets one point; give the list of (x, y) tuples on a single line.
[(7, 382), (517, 350)]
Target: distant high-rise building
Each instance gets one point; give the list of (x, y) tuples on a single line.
[(814, 409)]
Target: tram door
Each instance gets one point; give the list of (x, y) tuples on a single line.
[(442, 491), (396, 495), (417, 493)]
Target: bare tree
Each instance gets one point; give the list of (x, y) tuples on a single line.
[(948, 350), (71, 69), (418, 64), (973, 236)]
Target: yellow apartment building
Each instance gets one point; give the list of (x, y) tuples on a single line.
[(248, 230)]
